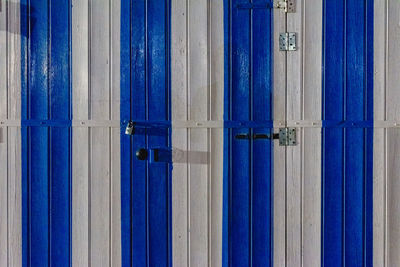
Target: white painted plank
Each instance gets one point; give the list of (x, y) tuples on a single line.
[(279, 179), (100, 93), (3, 64), (180, 253), (3, 142), (198, 138), (14, 137), (393, 138), (115, 136), (294, 104), (216, 139), (80, 139), (80, 197), (14, 196), (311, 142), (379, 184), (3, 198)]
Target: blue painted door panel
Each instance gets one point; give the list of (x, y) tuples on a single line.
[(145, 96), (248, 98), (347, 152), (46, 149)]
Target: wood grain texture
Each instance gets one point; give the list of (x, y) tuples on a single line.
[(179, 73), (80, 138), (216, 98), (279, 156), (297, 170), (393, 135), (198, 86), (3, 143), (96, 151), (197, 94), (304, 102), (14, 136), (10, 143), (380, 136)]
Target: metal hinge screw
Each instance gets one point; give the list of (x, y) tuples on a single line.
[(288, 6)]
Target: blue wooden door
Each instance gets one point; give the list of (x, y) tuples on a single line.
[(248, 102), (145, 98)]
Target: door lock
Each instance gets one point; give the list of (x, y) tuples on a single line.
[(142, 154)]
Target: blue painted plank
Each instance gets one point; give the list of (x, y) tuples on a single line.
[(333, 139), (158, 109), (145, 94), (138, 174), (227, 135), (46, 151), (354, 144), (25, 184), (262, 151), (125, 114), (60, 137), (368, 221), (39, 147), (240, 231), (247, 233), (348, 152)]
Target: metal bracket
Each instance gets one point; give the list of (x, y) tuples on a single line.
[(287, 137), (289, 6), (287, 41)]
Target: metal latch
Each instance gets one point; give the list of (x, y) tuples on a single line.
[(287, 41), (289, 6), (287, 137)]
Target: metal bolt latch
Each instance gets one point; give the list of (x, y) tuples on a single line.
[(286, 136)]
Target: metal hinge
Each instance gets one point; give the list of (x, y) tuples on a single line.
[(287, 41), (289, 6), (287, 137)]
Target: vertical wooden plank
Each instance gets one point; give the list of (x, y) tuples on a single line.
[(179, 110), (355, 149), (333, 163), (294, 175), (81, 143), (14, 136), (261, 94), (158, 109), (115, 148), (3, 139), (310, 143), (100, 104), (380, 171), (216, 99), (240, 149), (393, 135), (198, 110), (14, 195), (304, 96), (279, 155), (59, 137), (38, 146)]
